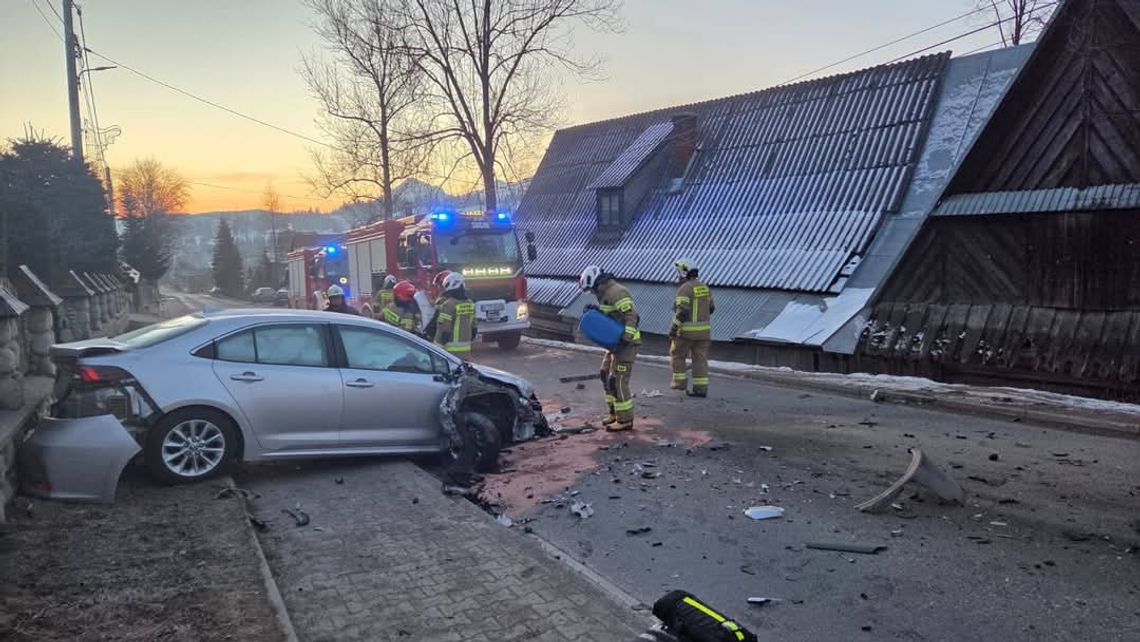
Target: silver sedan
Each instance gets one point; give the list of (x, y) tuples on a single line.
[(200, 391)]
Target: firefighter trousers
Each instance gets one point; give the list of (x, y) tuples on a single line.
[(616, 372), (696, 349)]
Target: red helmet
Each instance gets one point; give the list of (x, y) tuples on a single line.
[(404, 291), (438, 280)]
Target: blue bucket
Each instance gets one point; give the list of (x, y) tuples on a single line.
[(601, 329)]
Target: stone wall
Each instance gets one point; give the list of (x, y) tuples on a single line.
[(33, 317)]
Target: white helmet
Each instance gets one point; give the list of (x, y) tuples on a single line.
[(684, 266), (453, 281), (589, 277), (335, 290), (390, 281)]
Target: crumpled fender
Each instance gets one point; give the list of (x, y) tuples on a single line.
[(78, 459)]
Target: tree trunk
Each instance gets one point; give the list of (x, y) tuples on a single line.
[(490, 191)]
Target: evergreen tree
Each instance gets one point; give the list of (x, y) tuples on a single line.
[(227, 265), (53, 214)]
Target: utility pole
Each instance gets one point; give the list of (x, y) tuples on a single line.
[(72, 50)]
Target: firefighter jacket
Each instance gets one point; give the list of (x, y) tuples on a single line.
[(455, 324), (615, 301), (404, 317), (692, 311), (384, 297)]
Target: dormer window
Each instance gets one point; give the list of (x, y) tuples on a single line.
[(609, 209)]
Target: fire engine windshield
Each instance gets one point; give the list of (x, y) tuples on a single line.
[(477, 248)]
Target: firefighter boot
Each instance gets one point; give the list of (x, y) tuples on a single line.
[(620, 426)]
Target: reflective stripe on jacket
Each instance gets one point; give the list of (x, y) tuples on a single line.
[(692, 310), (615, 301), (455, 324), (401, 317)]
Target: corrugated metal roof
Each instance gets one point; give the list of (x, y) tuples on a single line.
[(1064, 199), (552, 292), (787, 185), (633, 157)]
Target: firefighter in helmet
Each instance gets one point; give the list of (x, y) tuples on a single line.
[(617, 366), (385, 296), (455, 317), (691, 331), (336, 302), (403, 312)]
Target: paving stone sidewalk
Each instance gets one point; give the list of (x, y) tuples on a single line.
[(386, 556)]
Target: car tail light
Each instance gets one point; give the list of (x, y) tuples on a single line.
[(101, 374), (520, 288)]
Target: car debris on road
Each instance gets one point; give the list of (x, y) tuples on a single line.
[(925, 473)]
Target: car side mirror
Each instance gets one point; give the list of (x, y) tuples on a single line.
[(530, 237), (531, 253)]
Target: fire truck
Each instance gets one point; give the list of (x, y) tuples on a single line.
[(482, 246), (312, 270)]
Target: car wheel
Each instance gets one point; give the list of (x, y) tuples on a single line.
[(486, 440), (190, 445), (509, 341)]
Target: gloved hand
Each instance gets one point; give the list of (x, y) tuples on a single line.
[(674, 331)]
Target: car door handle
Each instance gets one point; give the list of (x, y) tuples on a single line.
[(360, 383), (247, 376)]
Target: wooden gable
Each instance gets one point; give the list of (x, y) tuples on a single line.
[(1072, 117)]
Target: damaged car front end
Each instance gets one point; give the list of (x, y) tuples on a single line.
[(483, 410)]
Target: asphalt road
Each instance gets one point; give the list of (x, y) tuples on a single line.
[(1044, 549)]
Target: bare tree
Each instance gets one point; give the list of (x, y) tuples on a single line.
[(272, 203), (149, 192), (369, 84), (1018, 20), (492, 65)]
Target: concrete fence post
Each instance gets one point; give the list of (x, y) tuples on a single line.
[(75, 322), (11, 368), (39, 321)]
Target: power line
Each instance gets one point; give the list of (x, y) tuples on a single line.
[(47, 21), (211, 103), (888, 44), (250, 191), (53, 10), (89, 92), (968, 33)]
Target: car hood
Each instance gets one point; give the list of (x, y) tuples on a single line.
[(504, 377), (87, 348)]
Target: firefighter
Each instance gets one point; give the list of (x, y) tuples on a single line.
[(336, 302), (617, 366), (691, 332), (385, 297), (455, 317), (402, 312)]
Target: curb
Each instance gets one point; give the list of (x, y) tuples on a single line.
[(559, 556), (1054, 418), (272, 592)]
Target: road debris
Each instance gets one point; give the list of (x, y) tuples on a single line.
[(638, 531), (764, 512), (843, 547), (719, 445), (761, 601), (924, 472), (582, 509), (993, 457), (651, 394), (504, 520), (766, 449), (338, 480), (575, 378), (259, 524), (298, 515), (234, 491)]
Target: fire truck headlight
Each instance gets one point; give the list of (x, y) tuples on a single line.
[(522, 311)]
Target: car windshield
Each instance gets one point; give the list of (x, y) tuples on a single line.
[(479, 247), (162, 331)]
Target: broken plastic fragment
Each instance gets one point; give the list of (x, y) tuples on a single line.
[(582, 509), (764, 512), (504, 520)]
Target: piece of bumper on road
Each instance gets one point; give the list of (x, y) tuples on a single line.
[(925, 473), (76, 459)]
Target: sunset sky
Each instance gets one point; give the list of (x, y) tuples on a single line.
[(244, 54)]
